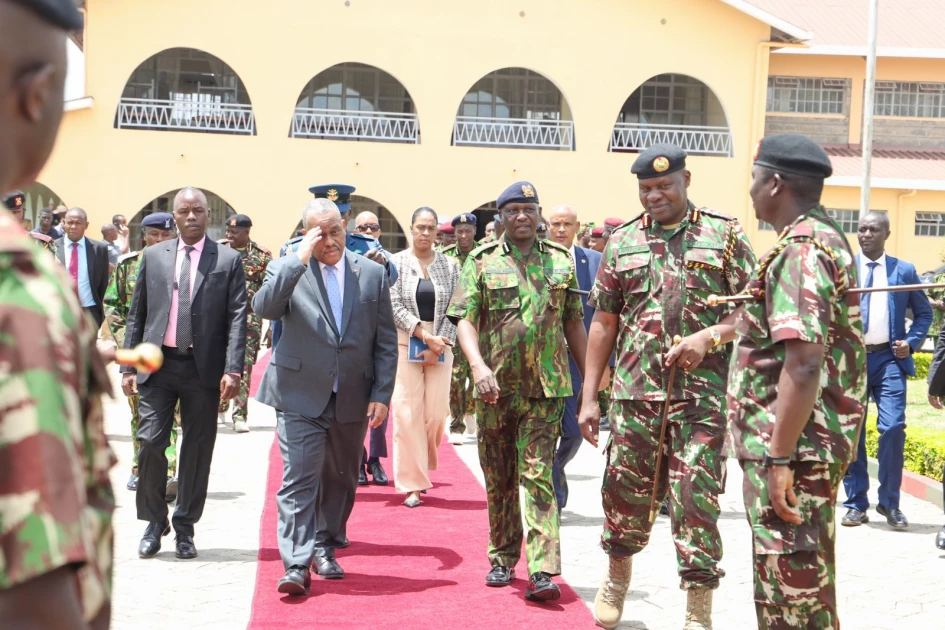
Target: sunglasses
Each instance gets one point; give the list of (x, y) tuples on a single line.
[(369, 227)]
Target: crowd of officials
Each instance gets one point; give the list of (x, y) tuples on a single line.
[(512, 337)]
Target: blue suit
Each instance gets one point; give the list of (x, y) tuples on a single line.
[(586, 262), (886, 385)]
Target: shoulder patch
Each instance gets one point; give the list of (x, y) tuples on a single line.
[(709, 212)]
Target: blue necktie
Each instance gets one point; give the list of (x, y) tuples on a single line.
[(865, 298), (334, 298)]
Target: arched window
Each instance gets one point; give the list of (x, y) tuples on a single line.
[(355, 101), (220, 210), (183, 89), (38, 197), (675, 109), (484, 214), (514, 107)]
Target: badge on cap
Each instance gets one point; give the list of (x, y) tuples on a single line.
[(462, 218), (528, 191), (661, 164), (757, 150), (232, 222), (332, 194)]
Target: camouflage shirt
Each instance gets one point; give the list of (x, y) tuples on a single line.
[(658, 281), (118, 295), (799, 281), (56, 501), (938, 315), (454, 251), (255, 260), (520, 304)]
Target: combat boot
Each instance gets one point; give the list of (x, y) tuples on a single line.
[(699, 608), (608, 605)]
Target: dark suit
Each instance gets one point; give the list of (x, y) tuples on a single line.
[(218, 316), (321, 432), (886, 384), (96, 255), (586, 262)]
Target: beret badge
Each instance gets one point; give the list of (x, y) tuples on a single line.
[(462, 219), (332, 194), (661, 164), (757, 150), (528, 191), (232, 222), (18, 201)]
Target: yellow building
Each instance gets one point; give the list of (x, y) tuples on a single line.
[(446, 103)]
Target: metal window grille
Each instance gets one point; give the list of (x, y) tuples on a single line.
[(910, 100), (847, 219), (694, 140), (186, 114), (355, 125), (806, 95), (929, 224), (513, 132)]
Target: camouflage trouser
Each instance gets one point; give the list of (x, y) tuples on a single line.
[(692, 468), (170, 452), (461, 396), (517, 438), (795, 567), (253, 337), (603, 400)]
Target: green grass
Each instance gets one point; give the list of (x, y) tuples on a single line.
[(919, 413)]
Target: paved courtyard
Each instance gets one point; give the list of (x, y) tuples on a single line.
[(887, 580)]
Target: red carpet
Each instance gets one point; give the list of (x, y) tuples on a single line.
[(408, 569)]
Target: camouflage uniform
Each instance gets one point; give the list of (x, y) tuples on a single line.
[(799, 281), (117, 304), (520, 305), (658, 280), (45, 242), (56, 501), (255, 260), (462, 402), (938, 316)]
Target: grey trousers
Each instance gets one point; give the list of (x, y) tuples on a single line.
[(319, 479)]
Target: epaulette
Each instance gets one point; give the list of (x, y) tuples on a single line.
[(260, 247), (715, 213), (39, 236), (557, 245), (127, 256), (644, 217), (484, 247), (448, 249)]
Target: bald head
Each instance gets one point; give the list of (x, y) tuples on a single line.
[(189, 193), (191, 214), (563, 224), (32, 84), (368, 224)]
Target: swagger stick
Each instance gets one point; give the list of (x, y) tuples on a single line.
[(715, 300), (659, 450)]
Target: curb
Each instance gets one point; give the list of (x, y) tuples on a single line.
[(919, 486)]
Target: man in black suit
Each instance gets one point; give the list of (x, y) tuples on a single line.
[(190, 299), (86, 261), (331, 376)]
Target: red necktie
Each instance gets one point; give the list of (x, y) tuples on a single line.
[(74, 267)]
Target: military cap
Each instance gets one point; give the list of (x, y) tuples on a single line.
[(239, 220), (340, 194), (542, 227), (446, 228), (519, 192), (159, 220), (597, 232), (61, 13), (793, 154), (466, 218), (659, 160), (15, 200), (613, 222)]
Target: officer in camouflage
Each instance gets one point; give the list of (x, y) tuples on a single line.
[(515, 308), (462, 405), (255, 260), (653, 284), (56, 501), (797, 389), (937, 300), (16, 204), (157, 228)]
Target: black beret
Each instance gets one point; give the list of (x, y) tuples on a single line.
[(659, 160), (466, 218), (519, 192), (61, 13), (15, 200), (793, 154), (239, 220), (159, 220)]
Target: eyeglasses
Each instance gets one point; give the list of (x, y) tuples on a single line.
[(369, 227)]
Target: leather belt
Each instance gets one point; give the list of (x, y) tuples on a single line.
[(877, 347), (170, 351)]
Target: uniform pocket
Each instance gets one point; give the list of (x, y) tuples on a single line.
[(704, 269), (501, 290), (633, 269)]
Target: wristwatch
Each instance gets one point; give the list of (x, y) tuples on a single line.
[(716, 337), (767, 461)]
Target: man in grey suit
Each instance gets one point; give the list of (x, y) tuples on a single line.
[(190, 299), (338, 343)]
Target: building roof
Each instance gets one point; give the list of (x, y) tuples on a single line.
[(925, 171), (907, 28), (782, 27)]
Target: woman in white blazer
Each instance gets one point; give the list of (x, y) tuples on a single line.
[(420, 404)]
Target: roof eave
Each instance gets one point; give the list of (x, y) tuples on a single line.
[(856, 181), (793, 31), (860, 51)]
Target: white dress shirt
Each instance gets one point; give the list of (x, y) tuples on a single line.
[(879, 302), (339, 275)]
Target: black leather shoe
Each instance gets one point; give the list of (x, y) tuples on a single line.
[(296, 581), (541, 588), (185, 547), (344, 544), (895, 517), (854, 517), (151, 541), (170, 493), (500, 576), (377, 471), (362, 476), (327, 569), (132, 483), (940, 539)]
